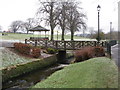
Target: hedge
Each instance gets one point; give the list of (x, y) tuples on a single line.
[(89, 52), (20, 69), (27, 49)]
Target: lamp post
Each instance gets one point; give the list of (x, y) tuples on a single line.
[(98, 9), (110, 30)]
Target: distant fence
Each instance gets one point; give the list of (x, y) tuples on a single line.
[(66, 45)]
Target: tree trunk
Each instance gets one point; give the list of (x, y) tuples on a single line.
[(72, 35), (27, 31), (14, 30), (63, 34), (52, 38)]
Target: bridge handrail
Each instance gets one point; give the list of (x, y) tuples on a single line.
[(64, 44)]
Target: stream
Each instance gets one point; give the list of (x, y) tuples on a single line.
[(30, 79)]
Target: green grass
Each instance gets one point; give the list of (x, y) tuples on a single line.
[(12, 36), (94, 73), (14, 65), (10, 58)]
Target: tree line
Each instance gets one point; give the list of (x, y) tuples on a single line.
[(67, 15), (113, 35), (21, 25)]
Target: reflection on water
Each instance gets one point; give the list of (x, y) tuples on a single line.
[(32, 78)]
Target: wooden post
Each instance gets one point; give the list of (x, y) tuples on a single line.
[(106, 43), (102, 44), (46, 41), (98, 43), (82, 43), (95, 43), (73, 44), (56, 44), (35, 43), (64, 45), (25, 41)]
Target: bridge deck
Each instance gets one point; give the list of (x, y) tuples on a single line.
[(66, 45)]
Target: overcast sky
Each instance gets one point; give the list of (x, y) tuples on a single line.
[(11, 10)]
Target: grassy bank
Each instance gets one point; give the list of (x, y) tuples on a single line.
[(94, 73), (10, 58), (14, 65)]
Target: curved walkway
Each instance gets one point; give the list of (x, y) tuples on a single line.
[(115, 50)]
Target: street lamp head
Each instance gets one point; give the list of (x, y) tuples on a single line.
[(98, 8)]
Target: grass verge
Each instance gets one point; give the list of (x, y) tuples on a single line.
[(14, 65), (94, 73), (10, 58)]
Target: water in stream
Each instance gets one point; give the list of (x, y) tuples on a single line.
[(30, 79)]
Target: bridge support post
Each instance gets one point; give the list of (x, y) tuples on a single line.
[(61, 56), (35, 43), (25, 41)]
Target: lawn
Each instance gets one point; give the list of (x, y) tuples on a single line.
[(12, 36), (10, 58), (94, 73), (16, 64)]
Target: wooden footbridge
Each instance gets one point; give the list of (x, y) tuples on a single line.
[(64, 45)]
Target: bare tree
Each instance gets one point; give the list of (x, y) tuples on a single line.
[(75, 18), (71, 18), (91, 30), (62, 19), (29, 24), (16, 25), (49, 9)]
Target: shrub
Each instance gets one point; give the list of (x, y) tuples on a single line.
[(17, 45), (99, 51), (51, 50), (81, 55), (27, 49), (35, 52), (41, 47), (88, 52), (22, 48)]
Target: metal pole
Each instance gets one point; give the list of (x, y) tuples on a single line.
[(98, 28), (110, 30), (45, 34), (57, 35), (40, 33), (48, 34)]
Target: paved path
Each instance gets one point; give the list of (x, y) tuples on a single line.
[(115, 50), (8, 43)]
